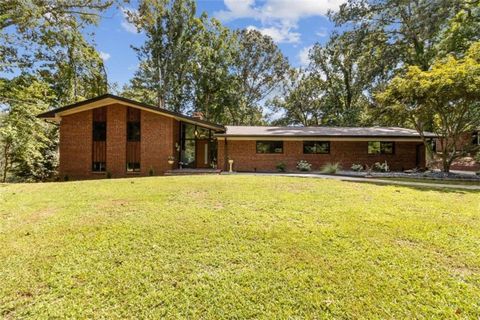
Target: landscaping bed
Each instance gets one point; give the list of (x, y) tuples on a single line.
[(435, 176)]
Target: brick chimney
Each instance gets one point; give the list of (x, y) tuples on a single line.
[(198, 115)]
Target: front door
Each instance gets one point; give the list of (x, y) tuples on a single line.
[(201, 154)]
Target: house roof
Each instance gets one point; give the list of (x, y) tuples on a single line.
[(107, 99), (340, 132)]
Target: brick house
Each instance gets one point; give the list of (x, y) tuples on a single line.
[(111, 135)]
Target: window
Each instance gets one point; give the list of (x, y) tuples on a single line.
[(99, 166), (99, 140), (99, 131), (133, 140), (269, 146), (380, 147), (314, 147), (133, 131), (133, 166)]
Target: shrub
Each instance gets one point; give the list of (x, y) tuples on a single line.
[(109, 175), (356, 167), (381, 167), (151, 172), (281, 167), (303, 165), (331, 168)]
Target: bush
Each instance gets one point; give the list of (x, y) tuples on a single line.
[(356, 167), (381, 167), (281, 167), (331, 168), (109, 175), (303, 165), (151, 172)]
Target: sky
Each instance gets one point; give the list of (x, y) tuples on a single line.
[(295, 25)]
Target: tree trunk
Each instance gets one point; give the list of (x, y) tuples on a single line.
[(445, 162)]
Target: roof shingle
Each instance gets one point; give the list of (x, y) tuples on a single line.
[(264, 131)]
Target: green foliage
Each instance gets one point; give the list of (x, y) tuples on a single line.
[(356, 167), (462, 30), (28, 143), (331, 91), (331, 168), (191, 63), (381, 167), (43, 44), (303, 165), (449, 94), (281, 167)]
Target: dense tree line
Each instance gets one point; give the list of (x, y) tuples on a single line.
[(411, 63)]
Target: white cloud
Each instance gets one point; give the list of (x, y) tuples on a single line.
[(126, 25), (303, 56), (279, 34), (105, 56), (322, 33), (278, 17)]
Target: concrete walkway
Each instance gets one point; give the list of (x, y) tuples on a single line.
[(370, 180)]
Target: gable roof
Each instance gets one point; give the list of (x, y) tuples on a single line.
[(339, 132), (107, 99)]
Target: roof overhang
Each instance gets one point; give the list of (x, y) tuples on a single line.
[(318, 138), (109, 99)]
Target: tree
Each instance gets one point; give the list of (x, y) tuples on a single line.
[(195, 64), (257, 69), (405, 31), (302, 100), (28, 143), (211, 79), (165, 57), (43, 46), (347, 73), (449, 93), (331, 91), (25, 26), (461, 31)]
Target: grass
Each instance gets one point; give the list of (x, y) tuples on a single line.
[(237, 247)]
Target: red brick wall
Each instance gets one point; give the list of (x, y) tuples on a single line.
[(345, 152), (76, 145), (158, 136), (158, 141), (116, 140)]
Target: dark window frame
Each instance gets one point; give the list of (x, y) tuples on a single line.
[(133, 167), (195, 137), (98, 166), (315, 142), (269, 142), (136, 135), (99, 131), (381, 147), (99, 140)]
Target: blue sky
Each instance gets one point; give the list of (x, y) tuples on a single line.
[(295, 25)]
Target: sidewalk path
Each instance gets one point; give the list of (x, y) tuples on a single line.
[(370, 180)]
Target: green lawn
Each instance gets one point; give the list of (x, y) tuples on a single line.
[(237, 247)]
